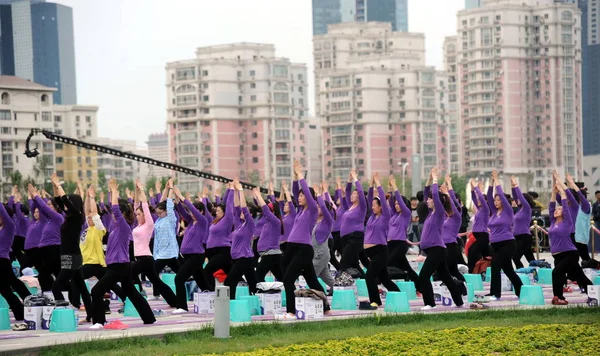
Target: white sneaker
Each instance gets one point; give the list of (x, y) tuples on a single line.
[(179, 311), (493, 298), (428, 307), (97, 326), (285, 316)]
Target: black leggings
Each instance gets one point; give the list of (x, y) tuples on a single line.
[(148, 265), (567, 263), (65, 278), (31, 258), (378, 268), (18, 247), (436, 262), (397, 258), (193, 266), (119, 272), (504, 251), (332, 249), (353, 246), (452, 261), (583, 251), (255, 251), (49, 265), (89, 271), (218, 258), (271, 263), (159, 265), (8, 282), (478, 249), (298, 259), (241, 267), (524, 242)]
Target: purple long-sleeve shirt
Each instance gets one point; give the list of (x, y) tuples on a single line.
[(452, 223), (324, 226), (399, 221), (339, 213), (21, 221), (34, 231), (560, 234), (270, 233), (500, 224), (241, 238), (195, 233), (219, 234), (305, 219), (7, 233), (522, 219), (51, 232), (482, 215), (117, 248), (431, 236), (288, 222), (353, 219), (376, 232)]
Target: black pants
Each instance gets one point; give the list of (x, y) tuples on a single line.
[(378, 268), (17, 248), (283, 247), (148, 265), (397, 258), (8, 282), (31, 258), (337, 242), (583, 251), (65, 278), (241, 267), (478, 249), (453, 252), (502, 260), (436, 263), (119, 272), (332, 259), (255, 251), (567, 263), (218, 258), (49, 265), (89, 271), (353, 246), (298, 259), (159, 265), (193, 266), (524, 242), (269, 263)]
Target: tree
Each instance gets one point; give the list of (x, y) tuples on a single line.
[(15, 178), (254, 178), (459, 183)]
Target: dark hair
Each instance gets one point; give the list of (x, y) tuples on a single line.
[(529, 200), (199, 206), (534, 195), (406, 201), (447, 203), (25, 209), (209, 206), (9, 210), (77, 203), (312, 193), (597, 192), (127, 211), (413, 198), (222, 206), (162, 205), (584, 192), (507, 196), (420, 195), (150, 208), (331, 210), (277, 213), (253, 209), (56, 206)]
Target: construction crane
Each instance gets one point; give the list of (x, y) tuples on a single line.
[(147, 160)]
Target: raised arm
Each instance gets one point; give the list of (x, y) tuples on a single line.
[(385, 211), (311, 204), (42, 206), (321, 202), (583, 203), (403, 208), (8, 223), (93, 208)]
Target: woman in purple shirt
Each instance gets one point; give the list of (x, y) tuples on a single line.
[(397, 240), (289, 217), (269, 240), (564, 252), (118, 266), (502, 239), (522, 223), (32, 237), (481, 248), (320, 237), (375, 244), (353, 224), (335, 245), (21, 225), (241, 245), (433, 244)]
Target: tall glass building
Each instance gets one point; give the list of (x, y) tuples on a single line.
[(37, 43), (328, 12)]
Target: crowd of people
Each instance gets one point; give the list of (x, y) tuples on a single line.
[(121, 241)]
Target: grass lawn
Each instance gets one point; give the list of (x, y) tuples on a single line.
[(261, 335)]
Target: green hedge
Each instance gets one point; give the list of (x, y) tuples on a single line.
[(552, 339)]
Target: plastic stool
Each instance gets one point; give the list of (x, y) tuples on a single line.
[(361, 284), (524, 278), (408, 288), (544, 276), (396, 302), (269, 279), (129, 310), (283, 300), (3, 303), (597, 281), (532, 295), (470, 293), (241, 291), (475, 280), (4, 319), (488, 274), (253, 304), (169, 279), (343, 300), (323, 285), (239, 311), (63, 321)]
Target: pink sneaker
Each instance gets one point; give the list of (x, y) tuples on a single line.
[(115, 325)]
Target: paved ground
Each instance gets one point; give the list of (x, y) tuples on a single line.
[(30, 341)]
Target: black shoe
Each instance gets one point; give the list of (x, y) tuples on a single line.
[(366, 306), (60, 303)]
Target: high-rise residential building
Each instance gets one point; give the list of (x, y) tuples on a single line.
[(329, 12), (472, 4), (314, 135), (380, 105), (37, 43), (26, 105), (158, 149), (455, 156), (590, 90), (519, 79), (237, 110), (118, 167)]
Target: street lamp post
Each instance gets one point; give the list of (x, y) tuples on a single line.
[(403, 165)]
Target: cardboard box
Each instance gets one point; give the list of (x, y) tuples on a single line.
[(506, 283), (204, 303), (270, 304), (309, 308), (46, 316), (442, 295), (594, 292), (33, 317)]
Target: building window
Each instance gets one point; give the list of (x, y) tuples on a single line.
[(5, 99), (206, 110), (59, 160), (205, 98), (254, 159), (88, 119), (46, 116), (254, 135), (254, 147), (252, 97), (252, 73), (57, 119), (88, 132), (77, 119), (5, 115), (58, 146), (45, 101), (205, 73), (252, 85), (89, 174)]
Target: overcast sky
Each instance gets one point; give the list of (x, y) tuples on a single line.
[(122, 46)]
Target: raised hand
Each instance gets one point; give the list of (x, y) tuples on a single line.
[(513, 181), (54, 179), (32, 190), (298, 170), (284, 186), (325, 186), (448, 178), (376, 181), (204, 192), (158, 186), (434, 173), (353, 175), (15, 190), (112, 185), (392, 182), (92, 191)]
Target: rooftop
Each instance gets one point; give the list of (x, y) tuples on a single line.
[(12, 82)]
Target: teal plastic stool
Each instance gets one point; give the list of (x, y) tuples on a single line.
[(475, 280), (470, 293), (35, 272), (361, 284), (597, 281), (16, 264), (532, 295), (283, 300), (3, 303), (396, 302), (488, 274), (343, 300), (545, 276), (239, 311), (4, 319), (241, 291), (169, 279), (63, 321), (129, 310), (408, 287), (269, 279), (524, 278), (323, 285), (253, 304), (33, 290)]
